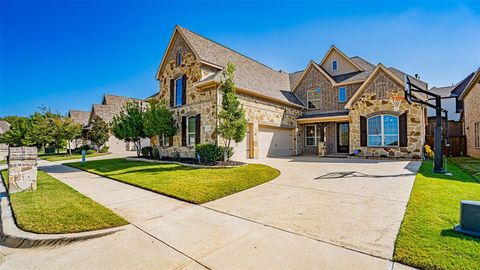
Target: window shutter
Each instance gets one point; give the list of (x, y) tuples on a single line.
[(170, 141), (363, 131), (184, 89), (172, 93), (184, 131), (402, 129), (198, 128)]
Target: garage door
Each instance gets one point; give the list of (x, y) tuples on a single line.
[(240, 150), (116, 145), (274, 142)]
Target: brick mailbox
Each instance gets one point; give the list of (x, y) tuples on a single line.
[(22, 169), (469, 218)]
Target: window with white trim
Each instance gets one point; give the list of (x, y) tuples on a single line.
[(313, 95), (342, 94), (179, 58), (334, 65), (165, 140), (382, 130), (191, 130), (313, 135), (477, 135), (178, 91)]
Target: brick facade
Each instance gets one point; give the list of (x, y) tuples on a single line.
[(471, 103)]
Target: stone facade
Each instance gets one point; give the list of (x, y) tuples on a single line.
[(22, 169), (471, 112), (3, 151), (326, 99), (375, 101), (322, 151)]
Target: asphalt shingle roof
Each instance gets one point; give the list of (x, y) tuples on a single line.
[(79, 117)]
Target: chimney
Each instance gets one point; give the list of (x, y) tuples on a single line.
[(417, 76)]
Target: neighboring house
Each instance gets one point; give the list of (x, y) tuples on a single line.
[(333, 107), (471, 114), (111, 106), (4, 126), (79, 117)]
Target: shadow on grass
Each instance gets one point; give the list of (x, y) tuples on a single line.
[(455, 234)]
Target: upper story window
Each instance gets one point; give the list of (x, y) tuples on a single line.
[(334, 65), (342, 94), (313, 96), (191, 130), (179, 58), (178, 91), (382, 130), (477, 134)]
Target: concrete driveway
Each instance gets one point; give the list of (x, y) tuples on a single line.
[(353, 203)]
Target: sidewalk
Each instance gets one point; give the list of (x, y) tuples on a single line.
[(195, 235)]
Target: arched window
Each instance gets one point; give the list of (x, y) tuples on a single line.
[(382, 130), (179, 58)]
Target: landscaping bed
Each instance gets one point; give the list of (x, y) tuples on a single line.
[(57, 208), (192, 161), (426, 238), (195, 185)]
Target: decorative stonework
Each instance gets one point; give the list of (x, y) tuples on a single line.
[(3, 151), (178, 152), (22, 169), (322, 151)]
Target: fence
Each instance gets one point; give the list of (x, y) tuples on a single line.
[(457, 147)]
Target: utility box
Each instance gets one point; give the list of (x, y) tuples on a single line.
[(469, 218)]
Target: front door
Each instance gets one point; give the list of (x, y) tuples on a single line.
[(342, 138)]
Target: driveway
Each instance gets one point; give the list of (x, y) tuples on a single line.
[(353, 203)]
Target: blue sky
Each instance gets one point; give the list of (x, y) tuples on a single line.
[(67, 54)]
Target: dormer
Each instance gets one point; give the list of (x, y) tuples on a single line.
[(335, 62)]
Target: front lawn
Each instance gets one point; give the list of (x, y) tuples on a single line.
[(65, 156), (57, 208), (469, 165), (196, 185), (426, 239)]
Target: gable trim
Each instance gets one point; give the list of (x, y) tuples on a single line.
[(307, 70), (475, 79), (175, 31), (333, 48), (360, 90)]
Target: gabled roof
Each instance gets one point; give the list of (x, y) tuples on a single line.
[(4, 126), (312, 65), (444, 92), (472, 80), (105, 112), (154, 95), (332, 49), (79, 117)]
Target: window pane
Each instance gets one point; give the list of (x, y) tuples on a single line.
[(192, 121), (178, 91), (390, 124), (310, 131), (342, 94), (310, 141), (375, 140), (191, 139), (375, 125), (334, 65), (391, 140)]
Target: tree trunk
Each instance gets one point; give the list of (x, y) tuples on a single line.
[(69, 149), (226, 149), (159, 148)]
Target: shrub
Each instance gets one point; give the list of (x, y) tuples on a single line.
[(147, 151), (77, 151), (155, 153), (208, 153), (104, 149), (90, 152), (229, 152)]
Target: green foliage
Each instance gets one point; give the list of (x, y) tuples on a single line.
[(64, 130), (90, 152), (98, 132), (104, 149), (16, 135), (42, 130), (208, 153), (147, 151), (158, 122), (128, 125), (233, 124)]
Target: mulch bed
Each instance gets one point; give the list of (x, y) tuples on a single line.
[(230, 163)]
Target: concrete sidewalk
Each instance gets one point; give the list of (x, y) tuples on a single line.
[(167, 233)]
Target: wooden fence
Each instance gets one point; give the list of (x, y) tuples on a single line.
[(457, 147)]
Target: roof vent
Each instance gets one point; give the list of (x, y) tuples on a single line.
[(417, 76)]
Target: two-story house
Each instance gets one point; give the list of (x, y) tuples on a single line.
[(341, 105)]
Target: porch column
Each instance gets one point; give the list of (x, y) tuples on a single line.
[(255, 138), (322, 151)]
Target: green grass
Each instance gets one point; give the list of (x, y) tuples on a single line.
[(65, 156), (196, 185), (426, 238), (2, 162), (57, 208), (469, 165)]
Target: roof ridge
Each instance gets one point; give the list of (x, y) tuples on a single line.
[(241, 54)]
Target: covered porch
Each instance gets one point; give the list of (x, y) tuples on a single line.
[(324, 134)]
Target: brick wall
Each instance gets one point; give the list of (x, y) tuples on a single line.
[(472, 115)]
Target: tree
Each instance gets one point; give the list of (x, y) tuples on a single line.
[(99, 132), (64, 129), (16, 135), (128, 125), (40, 130), (232, 121), (158, 122)]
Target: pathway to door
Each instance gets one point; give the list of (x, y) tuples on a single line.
[(169, 234)]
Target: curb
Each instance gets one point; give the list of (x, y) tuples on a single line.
[(13, 237), (181, 163)]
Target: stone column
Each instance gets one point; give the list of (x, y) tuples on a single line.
[(321, 149), (3, 151), (22, 169)]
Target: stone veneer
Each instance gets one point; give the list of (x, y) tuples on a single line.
[(375, 100), (22, 169), (3, 151), (471, 103)]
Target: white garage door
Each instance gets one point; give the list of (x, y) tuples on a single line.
[(116, 145), (274, 142), (240, 150)]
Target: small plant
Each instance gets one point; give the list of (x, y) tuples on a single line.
[(147, 151), (90, 152), (208, 153), (429, 154), (104, 149)]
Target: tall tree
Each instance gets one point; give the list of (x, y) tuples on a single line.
[(16, 135), (128, 125), (158, 122), (64, 129), (232, 121), (40, 131), (98, 132)]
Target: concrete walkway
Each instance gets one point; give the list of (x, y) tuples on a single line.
[(170, 234)]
